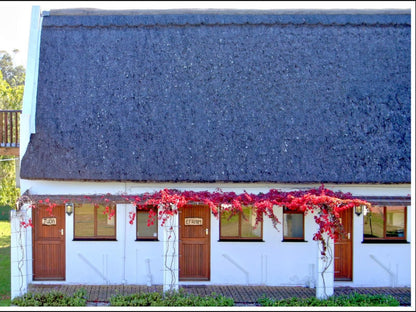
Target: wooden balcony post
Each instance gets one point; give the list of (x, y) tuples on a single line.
[(9, 132)]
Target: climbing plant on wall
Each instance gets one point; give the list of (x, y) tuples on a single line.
[(324, 203)]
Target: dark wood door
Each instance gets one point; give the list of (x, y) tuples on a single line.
[(343, 249), (49, 243), (194, 243)]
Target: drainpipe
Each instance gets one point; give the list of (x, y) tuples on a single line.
[(149, 275), (263, 269), (311, 283)]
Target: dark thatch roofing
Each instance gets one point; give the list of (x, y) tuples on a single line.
[(290, 97)]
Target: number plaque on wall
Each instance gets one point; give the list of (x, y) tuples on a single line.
[(48, 221), (193, 221)]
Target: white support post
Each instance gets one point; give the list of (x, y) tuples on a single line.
[(20, 251), (171, 254), (325, 271)]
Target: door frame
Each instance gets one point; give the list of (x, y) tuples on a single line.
[(207, 256), (347, 244), (59, 240)]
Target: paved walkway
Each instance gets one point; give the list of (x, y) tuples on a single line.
[(99, 295)]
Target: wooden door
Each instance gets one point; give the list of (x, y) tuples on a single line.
[(48, 243), (343, 249), (194, 243)]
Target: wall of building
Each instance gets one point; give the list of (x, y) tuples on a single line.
[(271, 262), (387, 264)]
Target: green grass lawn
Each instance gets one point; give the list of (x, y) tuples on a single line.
[(4, 263)]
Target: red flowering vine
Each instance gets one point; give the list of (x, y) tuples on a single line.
[(26, 224), (132, 216), (326, 205)]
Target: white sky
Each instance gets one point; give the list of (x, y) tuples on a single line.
[(15, 15)]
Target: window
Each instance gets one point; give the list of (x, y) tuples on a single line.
[(146, 230), (385, 223), (240, 226), (293, 225), (90, 222)]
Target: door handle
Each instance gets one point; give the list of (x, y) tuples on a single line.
[(62, 232), (206, 231), (349, 235)]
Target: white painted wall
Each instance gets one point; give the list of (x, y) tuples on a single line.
[(272, 262), (78, 187), (125, 261), (381, 264)]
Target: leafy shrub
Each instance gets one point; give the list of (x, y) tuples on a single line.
[(52, 298), (175, 298), (354, 299), (5, 212)]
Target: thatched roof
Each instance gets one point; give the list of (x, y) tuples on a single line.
[(290, 97)]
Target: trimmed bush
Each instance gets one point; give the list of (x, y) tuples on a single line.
[(5, 213), (351, 300), (52, 298), (175, 298)]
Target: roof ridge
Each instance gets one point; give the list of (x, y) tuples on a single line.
[(375, 24), (96, 18), (94, 11)]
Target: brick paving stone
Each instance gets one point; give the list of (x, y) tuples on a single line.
[(72, 289), (102, 293), (127, 290), (117, 290), (242, 295), (93, 293)]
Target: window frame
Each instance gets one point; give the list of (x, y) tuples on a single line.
[(293, 239), (147, 238), (95, 220), (239, 238), (385, 238)]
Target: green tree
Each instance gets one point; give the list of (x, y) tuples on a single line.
[(11, 97), (8, 190), (11, 83), (14, 75)]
